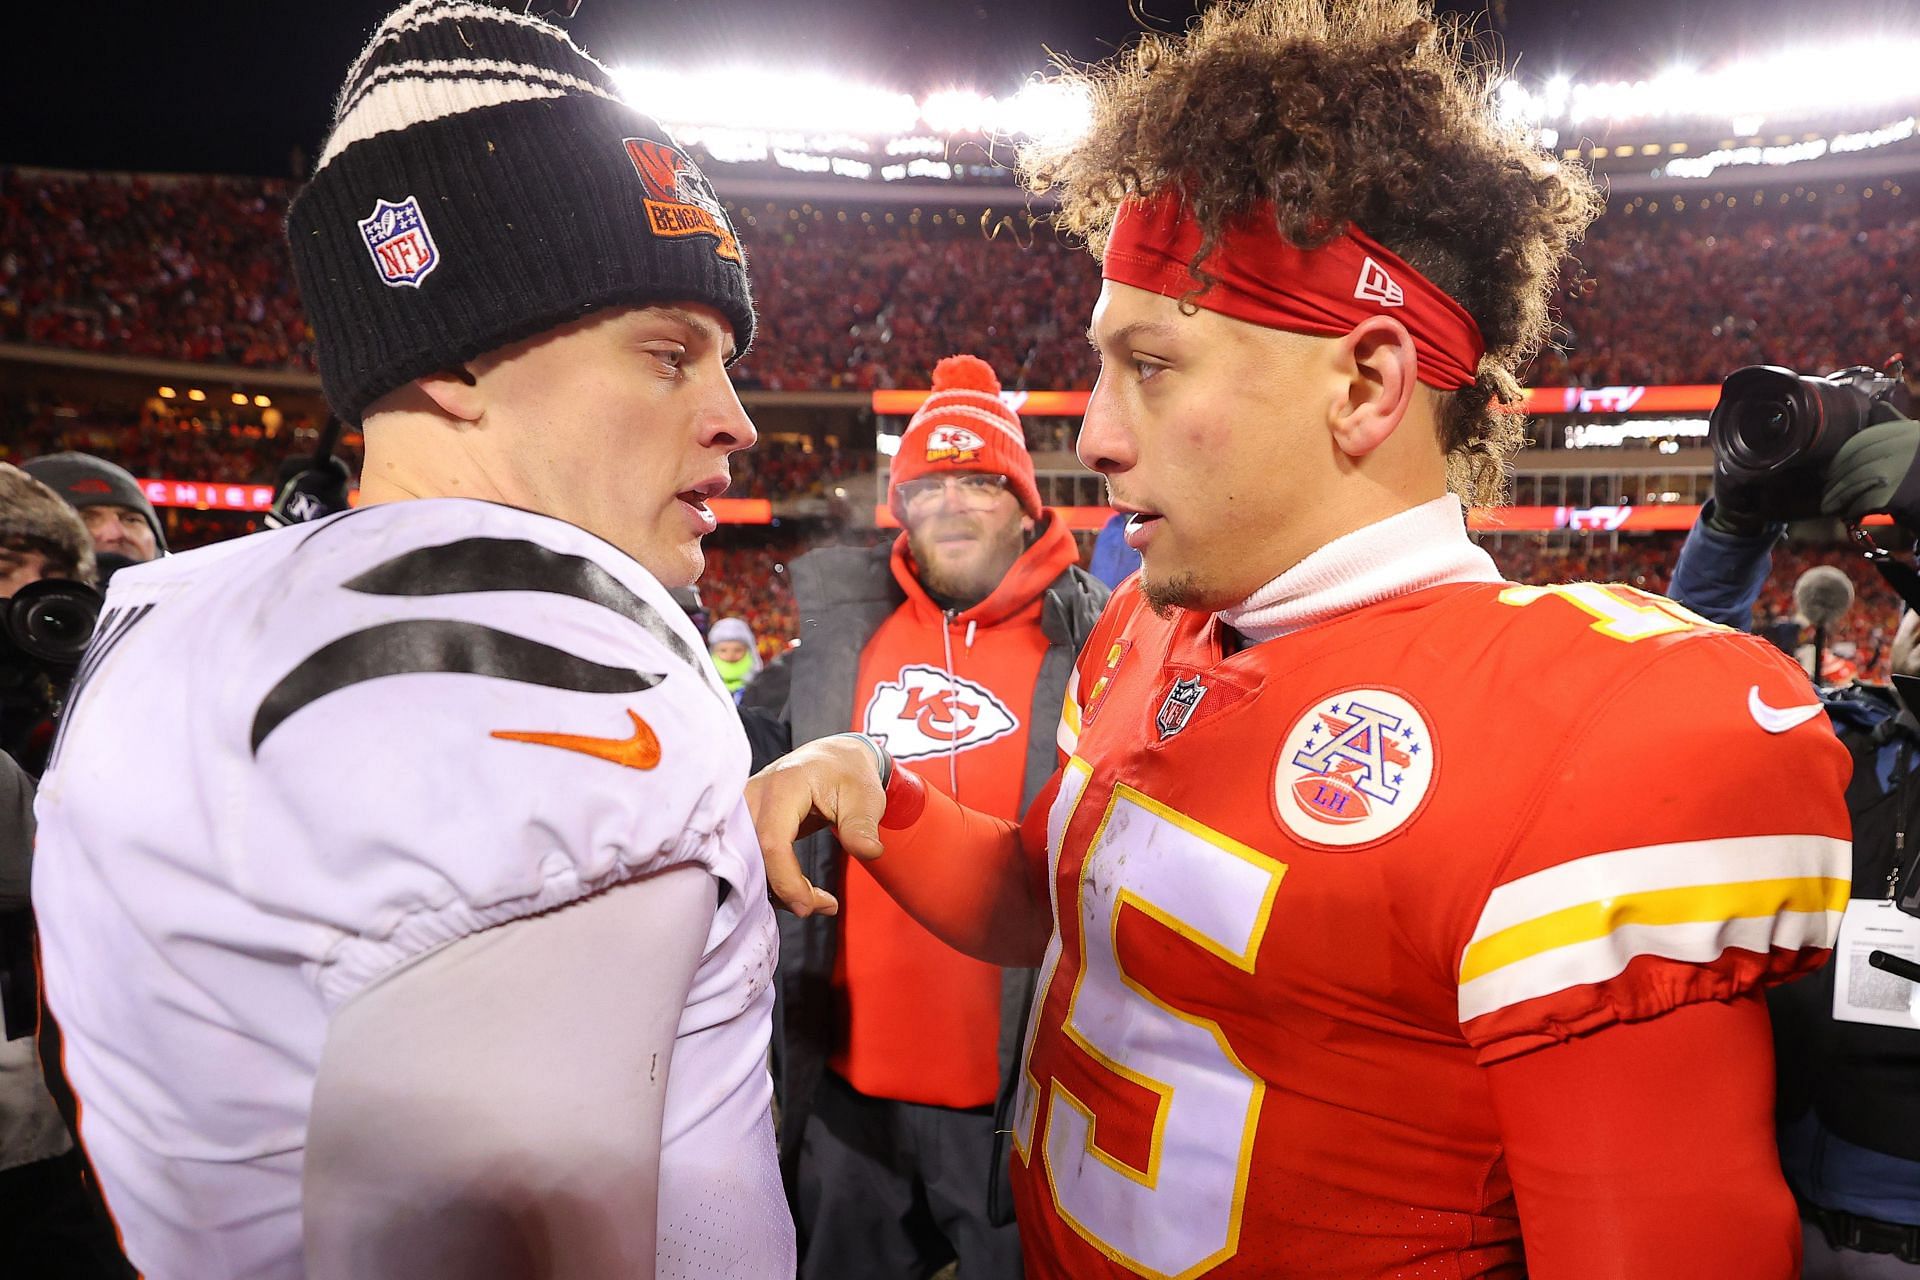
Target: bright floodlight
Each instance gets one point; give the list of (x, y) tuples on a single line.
[(1794, 82), (1053, 112), (740, 98), (957, 111)]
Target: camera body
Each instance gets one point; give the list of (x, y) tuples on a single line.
[(44, 631), (1775, 433)]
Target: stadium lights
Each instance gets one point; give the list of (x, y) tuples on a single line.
[(167, 393), (794, 118), (760, 99), (262, 402), (1611, 435), (196, 395), (1793, 152), (742, 110), (239, 397), (1793, 82)]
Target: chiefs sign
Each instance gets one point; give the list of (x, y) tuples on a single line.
[(927, 712)]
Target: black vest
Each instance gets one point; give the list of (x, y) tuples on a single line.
[(1862, 1081)]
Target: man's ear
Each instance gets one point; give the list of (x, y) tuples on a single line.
[(1378, 360), (454, 392)]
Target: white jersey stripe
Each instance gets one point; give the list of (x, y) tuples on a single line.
[(1068, 735), (1603, 958), (1684, 864)]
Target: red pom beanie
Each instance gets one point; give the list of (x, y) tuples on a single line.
[(964, 426)]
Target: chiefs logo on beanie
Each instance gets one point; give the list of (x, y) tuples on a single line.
[(964, 425)]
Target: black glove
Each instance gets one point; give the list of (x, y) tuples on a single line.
[(310, 490), (1874, 472)]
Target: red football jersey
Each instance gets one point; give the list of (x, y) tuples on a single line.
[(1302, 893)]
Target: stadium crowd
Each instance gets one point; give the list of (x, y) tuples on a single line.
[(195, 269)]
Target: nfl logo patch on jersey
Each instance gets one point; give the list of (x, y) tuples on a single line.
[(1354, 769), (398, 241), (1181, 702)]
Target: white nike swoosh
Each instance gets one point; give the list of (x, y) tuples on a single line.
[(1778, 719)]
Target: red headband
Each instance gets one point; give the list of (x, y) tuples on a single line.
[(1262, 279)]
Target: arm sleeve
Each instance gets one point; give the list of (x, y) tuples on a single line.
[(1689, 842), (1648, 1150), (1719, 576), (976, 882), (495, 1110)]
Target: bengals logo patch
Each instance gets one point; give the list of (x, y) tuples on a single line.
[(680, 201)]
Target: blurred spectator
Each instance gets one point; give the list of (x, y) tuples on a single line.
[(736, 654), (1113, 560), (119, 517), (50, 1225), (40, 535), (889, 1140)]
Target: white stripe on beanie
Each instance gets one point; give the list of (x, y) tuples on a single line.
[(938, 406), (416, 91), (401, 104), (426, 13)]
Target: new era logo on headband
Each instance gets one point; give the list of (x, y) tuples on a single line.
[(399, 243), (1377, 286)]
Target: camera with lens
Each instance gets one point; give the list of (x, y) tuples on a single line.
[(1775, 433), (44, 630)]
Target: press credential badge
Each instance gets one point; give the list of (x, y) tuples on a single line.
[(1862, 993)]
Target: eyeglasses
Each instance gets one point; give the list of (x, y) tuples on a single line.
[(976, 489)]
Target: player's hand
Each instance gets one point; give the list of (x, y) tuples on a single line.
[(833, 782)]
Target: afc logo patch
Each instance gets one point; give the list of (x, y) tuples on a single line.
[(399, 243), (953, 444), (926, 712), (1355, 768), (680, 201)]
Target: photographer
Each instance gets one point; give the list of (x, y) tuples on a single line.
[(1849, 1087), (47, 1217)]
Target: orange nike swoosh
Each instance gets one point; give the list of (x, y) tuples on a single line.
[(641, 751)]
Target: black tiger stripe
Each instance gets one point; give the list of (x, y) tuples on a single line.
[(108, 631), (506, 564), (436, 645)]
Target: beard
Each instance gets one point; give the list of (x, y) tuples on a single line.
[(1182, 591), (963, 586)]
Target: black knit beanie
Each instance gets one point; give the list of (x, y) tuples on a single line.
[(485, 182), (86, 481)]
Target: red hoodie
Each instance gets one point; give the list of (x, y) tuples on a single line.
[(950, 698)]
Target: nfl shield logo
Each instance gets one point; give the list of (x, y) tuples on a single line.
[(1179, 706), (398, 241)]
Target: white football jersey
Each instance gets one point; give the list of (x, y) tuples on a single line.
[(297, 761)]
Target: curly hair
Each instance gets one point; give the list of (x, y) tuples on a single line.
[(1342, 111)]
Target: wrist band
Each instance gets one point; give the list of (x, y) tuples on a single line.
[(881, 760)]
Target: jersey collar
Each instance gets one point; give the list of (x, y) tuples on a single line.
[(1425, 546)]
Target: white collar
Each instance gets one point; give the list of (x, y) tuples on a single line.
[(1424, 546)]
